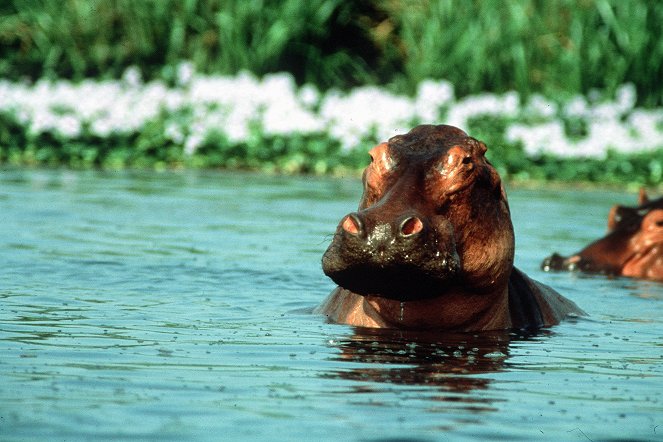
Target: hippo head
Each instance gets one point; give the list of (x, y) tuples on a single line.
[(632, 247), (433, 218)]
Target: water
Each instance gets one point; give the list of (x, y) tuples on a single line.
[(174, 306)]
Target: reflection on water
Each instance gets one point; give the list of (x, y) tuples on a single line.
[(425, 358), (176, 306), (442, 362)]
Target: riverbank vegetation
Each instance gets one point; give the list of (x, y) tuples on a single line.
[(566, 47), (561, 90), (271, 124)]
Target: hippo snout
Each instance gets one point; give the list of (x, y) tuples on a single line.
[(384, 238), (553, 262), (400, 257), (365, 240), (557, 262)]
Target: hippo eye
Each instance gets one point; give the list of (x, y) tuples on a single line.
[(455, 160)]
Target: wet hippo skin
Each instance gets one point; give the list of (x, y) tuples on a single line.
[(432, 245), (632, 247)]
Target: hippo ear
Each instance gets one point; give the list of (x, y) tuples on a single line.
[(381, 158), (493, 175), (613, 218), (375, 175), (494, 178), (482, 149), (642, 197)]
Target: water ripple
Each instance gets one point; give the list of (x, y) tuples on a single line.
[(177, 306)]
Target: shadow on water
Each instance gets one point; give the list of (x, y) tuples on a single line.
[(444, 361)]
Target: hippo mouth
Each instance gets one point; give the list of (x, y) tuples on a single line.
[(404, 268), (399, 282), (557, 262)]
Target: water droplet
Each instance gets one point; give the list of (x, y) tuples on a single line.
[(495, 355)]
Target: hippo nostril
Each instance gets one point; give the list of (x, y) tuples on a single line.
[(352, 224), (411, 226)]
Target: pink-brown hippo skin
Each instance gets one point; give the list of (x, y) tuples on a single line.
[(632, 247), (432, 245)]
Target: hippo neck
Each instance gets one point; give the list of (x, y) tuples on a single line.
[(457, 311), (523, 304)]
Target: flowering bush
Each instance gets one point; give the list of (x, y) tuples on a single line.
[(271, 123)]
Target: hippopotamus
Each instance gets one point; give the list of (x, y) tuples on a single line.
[(432, 244), (632, 247)]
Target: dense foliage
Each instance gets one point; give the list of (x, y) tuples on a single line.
[(270, 124), (559, 90), (562, 47)]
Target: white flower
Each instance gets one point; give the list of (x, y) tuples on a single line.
[(603, 135), (174, 133), (506, 105), (284, 120), (309, 95), (233, 105), (132, 77), (541, 138), (102, 127), (539, 106), (43, 121), (184, 73), (68, 126), (192, 143), (605, 112), (626, 97), (576, 107), (646, 125), (432, 96), (236, 128), (366, 113), (174, 101)]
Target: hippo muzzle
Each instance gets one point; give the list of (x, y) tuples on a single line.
[(405, 257)]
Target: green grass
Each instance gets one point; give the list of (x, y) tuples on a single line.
[(559, 47), (555, 47), (83, 38)]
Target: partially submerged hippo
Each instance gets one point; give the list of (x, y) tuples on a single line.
[(632, 247), (432, 244)]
